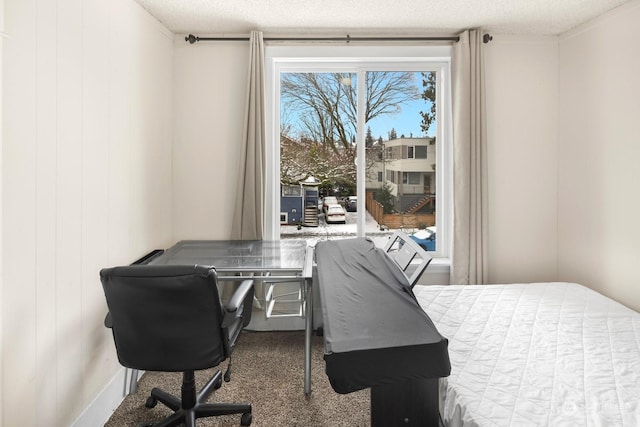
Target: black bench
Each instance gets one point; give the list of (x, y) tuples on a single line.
[(376, 335)]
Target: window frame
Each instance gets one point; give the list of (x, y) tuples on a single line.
[(361, 59)]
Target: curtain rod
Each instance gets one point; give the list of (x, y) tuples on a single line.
[(193, 39)]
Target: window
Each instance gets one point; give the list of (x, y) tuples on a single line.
[(410, 189), (291, 191), (421, 152), (391, 176), (411, 178), (417, 152)]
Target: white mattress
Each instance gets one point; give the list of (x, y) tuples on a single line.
[(544, 354)]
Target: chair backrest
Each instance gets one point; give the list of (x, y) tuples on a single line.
[(165, 317), (403, 251)]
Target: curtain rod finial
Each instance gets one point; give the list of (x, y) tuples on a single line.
[(191, 39), (486, 38)]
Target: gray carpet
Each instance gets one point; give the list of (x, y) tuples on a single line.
[(268, 373)]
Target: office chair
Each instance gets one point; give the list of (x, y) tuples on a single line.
[(169, 318)]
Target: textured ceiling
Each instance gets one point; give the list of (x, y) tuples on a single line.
[(543, 17)]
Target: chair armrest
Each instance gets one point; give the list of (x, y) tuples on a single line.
[(236, 301)]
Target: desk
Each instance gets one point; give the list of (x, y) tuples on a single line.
[(267, 261)]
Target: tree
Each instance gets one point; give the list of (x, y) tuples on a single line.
[(385, 198), (325, 103), (393, 134), (319, 137), (429, 95), (302, 159), (368, 139)]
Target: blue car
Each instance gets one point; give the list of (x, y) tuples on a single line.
[(425, 238)]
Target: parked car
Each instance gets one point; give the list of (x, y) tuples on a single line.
[(335, 213), (425, 238), (351, 203), (328, 200)]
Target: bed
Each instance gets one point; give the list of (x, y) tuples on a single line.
[(544, 354)]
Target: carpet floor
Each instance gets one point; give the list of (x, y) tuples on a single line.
[(268, 373)]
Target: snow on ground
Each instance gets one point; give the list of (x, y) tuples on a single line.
[(326, 231)]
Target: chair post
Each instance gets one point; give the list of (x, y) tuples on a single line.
[(189, 399)]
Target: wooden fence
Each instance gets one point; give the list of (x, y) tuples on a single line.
[(397, 221)]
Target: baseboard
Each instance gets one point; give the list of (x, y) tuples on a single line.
[(107, 401)]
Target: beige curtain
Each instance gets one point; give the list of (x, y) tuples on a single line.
[(469, 251), (248, 221)]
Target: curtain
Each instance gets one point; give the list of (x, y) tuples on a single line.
[(248, 221), (469, 250)]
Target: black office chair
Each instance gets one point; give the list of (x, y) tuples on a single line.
[(169, 318)]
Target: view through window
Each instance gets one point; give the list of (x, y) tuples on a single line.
[(332, 188)]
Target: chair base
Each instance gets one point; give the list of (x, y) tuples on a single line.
[(193, 406)]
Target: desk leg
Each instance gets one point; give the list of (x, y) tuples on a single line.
[(133, 380), (308, 331)]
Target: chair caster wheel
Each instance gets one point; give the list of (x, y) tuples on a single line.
[(151, 402), (246, 419), (217, 384)]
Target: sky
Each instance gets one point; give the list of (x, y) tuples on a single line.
[(406, 122)]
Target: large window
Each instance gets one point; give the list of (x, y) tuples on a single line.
[(366, 127)]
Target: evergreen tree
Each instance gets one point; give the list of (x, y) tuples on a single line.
[(429, 95), (368, 139), (385, 198)]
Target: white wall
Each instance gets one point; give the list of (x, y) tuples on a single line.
[(598, 155), (522, 127), (86, 184), (210, 88)]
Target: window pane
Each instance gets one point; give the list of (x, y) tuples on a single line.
[(406, 131), (414, 178), (317, 151), (421, 152)]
